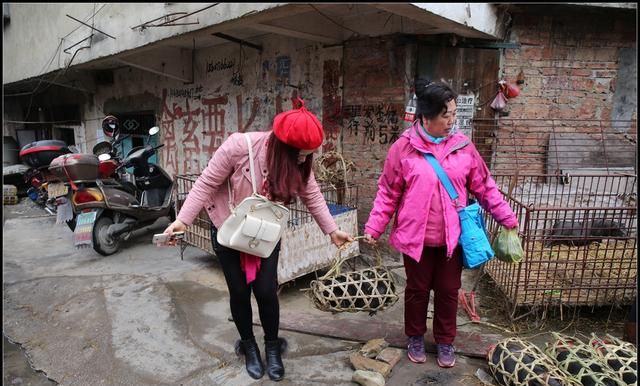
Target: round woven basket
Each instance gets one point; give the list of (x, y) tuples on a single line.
[(370, 289), (621, 357), (516, 362), (581, 361)]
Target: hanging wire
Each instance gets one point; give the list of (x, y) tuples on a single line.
[(335, 22), (86, 19), (56, 53)]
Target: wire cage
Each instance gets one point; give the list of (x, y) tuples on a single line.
[(199, 233), (304, 248), (573, 187)]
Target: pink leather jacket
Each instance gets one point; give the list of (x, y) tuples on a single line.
[(231, 163), (406, 187)]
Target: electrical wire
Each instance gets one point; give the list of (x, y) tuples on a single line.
[(87, 18), (41, 79), (333, 21), (56, 53)]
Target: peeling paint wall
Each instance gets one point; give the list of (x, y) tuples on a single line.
[(376, 85), (234, 90)]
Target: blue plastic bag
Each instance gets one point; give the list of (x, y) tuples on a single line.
[(476, 249)]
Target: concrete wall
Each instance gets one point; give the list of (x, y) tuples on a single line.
[(196, 118), (38, 33)]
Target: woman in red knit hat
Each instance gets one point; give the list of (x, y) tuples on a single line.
[(283, 160)]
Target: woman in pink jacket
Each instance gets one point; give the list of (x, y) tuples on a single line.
[(427, 226), (283, 163)]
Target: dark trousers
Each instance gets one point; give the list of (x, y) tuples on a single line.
[(433, 272), (264, 287)]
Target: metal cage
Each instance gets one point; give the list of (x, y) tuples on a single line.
[(304, 247), (573, 188)]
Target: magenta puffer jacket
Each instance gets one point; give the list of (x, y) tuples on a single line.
[(231, 163), (407, 184)]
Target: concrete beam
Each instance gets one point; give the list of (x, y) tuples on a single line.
[(156, 62), (295, 34), (472, 20)]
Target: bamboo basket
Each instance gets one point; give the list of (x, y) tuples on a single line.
[(370, 289)]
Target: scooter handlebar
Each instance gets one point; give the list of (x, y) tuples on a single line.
[(120, 139)]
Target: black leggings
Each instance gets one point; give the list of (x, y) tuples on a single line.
[(265, 289)]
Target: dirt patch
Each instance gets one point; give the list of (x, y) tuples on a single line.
[(578, 321)]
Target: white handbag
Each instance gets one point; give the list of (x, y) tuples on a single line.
[(256, 225)]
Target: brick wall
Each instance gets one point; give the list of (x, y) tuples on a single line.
[(571, 62), (373, 107)]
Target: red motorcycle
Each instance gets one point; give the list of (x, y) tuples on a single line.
[(39, 155)]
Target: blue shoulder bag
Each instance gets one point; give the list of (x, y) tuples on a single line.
[(476, 249)]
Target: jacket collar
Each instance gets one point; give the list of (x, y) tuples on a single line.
[(453, 142)]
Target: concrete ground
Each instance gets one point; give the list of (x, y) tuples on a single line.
[(143, 316)]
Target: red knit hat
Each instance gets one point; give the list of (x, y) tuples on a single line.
[(299, 128)]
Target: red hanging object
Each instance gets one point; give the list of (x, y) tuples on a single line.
[(511, 91)]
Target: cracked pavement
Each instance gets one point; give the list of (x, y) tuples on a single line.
[(143, 316)]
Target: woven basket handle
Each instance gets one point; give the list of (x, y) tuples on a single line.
[(339, 260)]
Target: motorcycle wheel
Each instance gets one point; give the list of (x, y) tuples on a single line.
[(102, 243)]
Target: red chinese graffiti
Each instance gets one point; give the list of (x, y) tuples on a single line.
[(331, 104), (167, 123), (255, 106), (194, 129), (213, 113), (191, 162)]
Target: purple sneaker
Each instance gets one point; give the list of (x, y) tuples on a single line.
[(415, 349), (446, 355)]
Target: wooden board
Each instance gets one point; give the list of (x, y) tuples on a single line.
[(471, 344)]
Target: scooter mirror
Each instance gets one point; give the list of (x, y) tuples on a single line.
[(154, 130), (104, 157)]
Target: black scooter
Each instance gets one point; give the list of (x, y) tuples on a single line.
[(107, 213)]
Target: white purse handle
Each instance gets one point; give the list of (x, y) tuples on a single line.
[(253, 175)]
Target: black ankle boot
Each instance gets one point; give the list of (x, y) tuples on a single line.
[(273, 351), (253, 361)]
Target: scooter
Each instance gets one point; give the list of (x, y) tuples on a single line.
[(81, 171), (107, 213)]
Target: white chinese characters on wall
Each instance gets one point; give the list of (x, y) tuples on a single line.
[(465, 109)]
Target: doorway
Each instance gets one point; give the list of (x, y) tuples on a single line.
[(136, 126), (473, 74)]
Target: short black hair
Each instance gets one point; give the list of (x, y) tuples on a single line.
[(432, 98)]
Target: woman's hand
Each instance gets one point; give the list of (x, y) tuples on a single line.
[(339, 237), (176, 226), (369, 239)]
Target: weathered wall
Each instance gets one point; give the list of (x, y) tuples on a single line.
[(375, 90), (577, 65), (57, 32), (231, 92), (571, 64)]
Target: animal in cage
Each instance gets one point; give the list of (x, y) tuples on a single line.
[(581, 361), (517, 362), (578, 233), (621, 357), (371, 289)]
